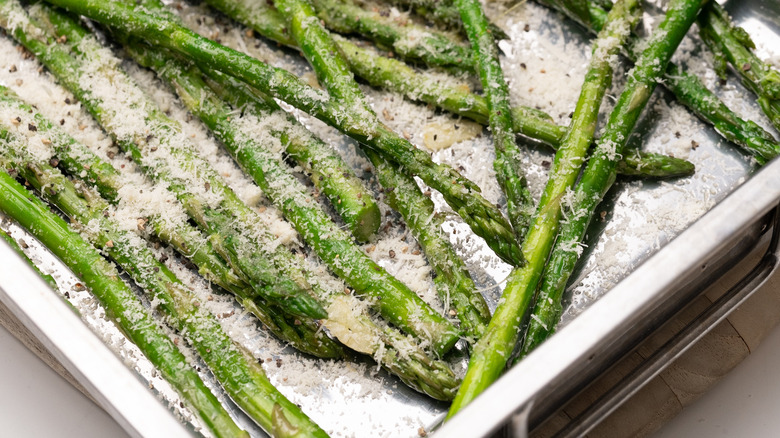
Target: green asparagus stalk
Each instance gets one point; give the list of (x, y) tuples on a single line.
[(600, 171), (651, 165), (411, 42), (453, 281), (357, 121), (580, 11), (165, 154), (751, 138), (235, 368), (258, 15), (396, 76), (692, 93), (395, 301), (507, 164), (491, 353), (18, 249), (120, 302), (733, 43)]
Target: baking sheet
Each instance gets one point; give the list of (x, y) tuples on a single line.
[(544, 62)]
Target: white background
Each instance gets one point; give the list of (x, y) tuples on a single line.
[(36, 402)]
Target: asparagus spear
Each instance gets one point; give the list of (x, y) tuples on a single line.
[(580, 11), (751, 138), (507, 164), (491, 353), (692, 93), (600, 171), (394, 75), (120, 302), (733, 43), (165, 154), (395, 301), (411, 42), (651, 165), (398, 77), (357, 121), (343, 16)]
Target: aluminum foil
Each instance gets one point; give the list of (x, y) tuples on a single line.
[(353, 397)]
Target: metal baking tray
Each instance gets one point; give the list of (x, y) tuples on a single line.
[(643, 263)]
